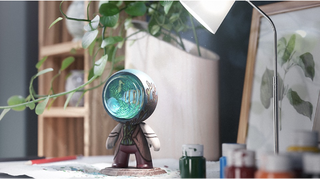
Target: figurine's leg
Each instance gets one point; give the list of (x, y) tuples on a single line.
[(141, 162), (121, 160)]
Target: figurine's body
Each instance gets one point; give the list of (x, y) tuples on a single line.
[(132, 139), (130, 97)]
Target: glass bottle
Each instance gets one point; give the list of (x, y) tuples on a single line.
[(276, 166), (241, 164), (192, 164), (311, 165), (223, 159)]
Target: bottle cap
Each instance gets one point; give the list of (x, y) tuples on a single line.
[(192, 150), (230, 157), (305, 138), (278, 163), (311, 163), (244, 158), (231, 146)]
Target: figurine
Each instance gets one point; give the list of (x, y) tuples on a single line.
[(130, 97)]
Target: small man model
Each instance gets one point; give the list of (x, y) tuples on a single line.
[(130, 97)]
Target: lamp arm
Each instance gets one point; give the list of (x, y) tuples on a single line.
[(275, 82)]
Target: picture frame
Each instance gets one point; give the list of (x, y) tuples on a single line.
[(295, 21)]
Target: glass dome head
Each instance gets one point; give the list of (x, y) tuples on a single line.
[(125, 98)]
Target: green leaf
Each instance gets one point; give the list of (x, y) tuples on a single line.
[(88, 38), (166, 38), (42, 106), (66, 63), (68, 99), (166, 5), (128, 23), (73, 51), (43, 72), (91, 74), (54, 22), (94, 24), (109, 21), (288, 50), (4, 112), (174, 17), (39, 64), (307, 64), (110, 52), (100, 65), (108, 9), (111, 41), (14, 100), (266, 88), (302, 107), (266, 92), (31, 106), (119, 59), (155, 29), (136, 9), (91, 47)]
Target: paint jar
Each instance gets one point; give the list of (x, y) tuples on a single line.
[(192, 164), (223, 159), (276, 166), (243, 164), (304, 141), (311, 165)]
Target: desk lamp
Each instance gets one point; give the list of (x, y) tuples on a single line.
[(210, 13)]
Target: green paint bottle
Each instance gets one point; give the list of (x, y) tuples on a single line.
[(192, 164)]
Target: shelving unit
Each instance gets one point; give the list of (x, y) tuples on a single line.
[(74, 130)]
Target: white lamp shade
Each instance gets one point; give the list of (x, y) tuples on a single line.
[(210, 13)]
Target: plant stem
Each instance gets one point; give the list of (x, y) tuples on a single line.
[(70, 18), (51, 96), (195, 34)]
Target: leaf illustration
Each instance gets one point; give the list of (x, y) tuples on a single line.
[(307, 64), (288, 49), (302, 107), (266, 88)]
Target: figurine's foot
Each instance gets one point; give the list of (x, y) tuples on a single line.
[(145, 166), (119, 165)]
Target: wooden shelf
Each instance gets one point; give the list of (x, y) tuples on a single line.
[(68, 112), (60, 49), (74, 130)]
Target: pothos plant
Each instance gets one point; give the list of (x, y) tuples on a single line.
[(167, 19), (289, 58)]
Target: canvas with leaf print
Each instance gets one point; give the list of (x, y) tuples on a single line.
[(298, 79)]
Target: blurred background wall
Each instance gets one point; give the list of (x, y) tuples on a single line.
[(18, 56)]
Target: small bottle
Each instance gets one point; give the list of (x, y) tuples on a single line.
[(276, 166), (192, 164), (223, 159), (244, 164), (311, 165), (304, 141)]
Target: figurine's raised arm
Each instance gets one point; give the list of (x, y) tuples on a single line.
[(113, 136), (151, 136)]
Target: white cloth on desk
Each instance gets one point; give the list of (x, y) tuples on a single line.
[(89, 167)]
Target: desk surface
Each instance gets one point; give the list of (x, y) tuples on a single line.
[(89, 167)]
